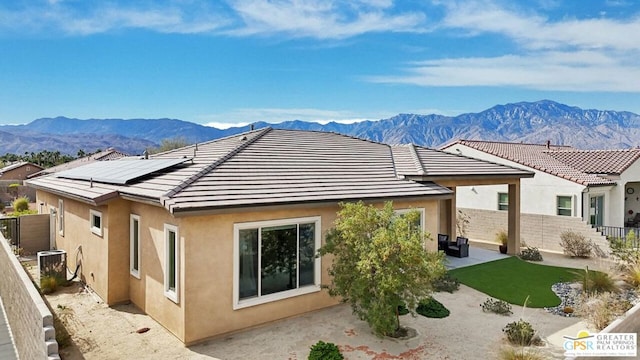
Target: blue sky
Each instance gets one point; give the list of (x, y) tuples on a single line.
[(239, 61)]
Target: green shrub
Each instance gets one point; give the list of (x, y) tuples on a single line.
[(446, 283), (402, 309), (496, 306), (21, 204), (432, 308), (325, 351), (48, 284), (531, 254), (519, 332), (575, 245)]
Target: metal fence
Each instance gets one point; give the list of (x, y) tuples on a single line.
[(630, 234), (10, 228)]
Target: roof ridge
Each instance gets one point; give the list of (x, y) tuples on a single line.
[(259, 134), (509, 143), (416, 160)]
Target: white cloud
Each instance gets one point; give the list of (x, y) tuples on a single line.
[(558, 71), (243, 117), (570, 54), (534, 31), (323, 19), (164, 17)]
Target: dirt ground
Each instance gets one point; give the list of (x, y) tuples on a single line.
[(102, 332)]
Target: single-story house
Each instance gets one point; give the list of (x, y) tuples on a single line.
[(220, 236), (19, 171), (599, 187), (104, 155)]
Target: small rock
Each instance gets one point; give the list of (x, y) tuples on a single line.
[(142, 330)]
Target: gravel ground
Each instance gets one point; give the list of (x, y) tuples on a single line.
[(101, 332)]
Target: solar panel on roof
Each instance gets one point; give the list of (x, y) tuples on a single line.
[(119, 172)]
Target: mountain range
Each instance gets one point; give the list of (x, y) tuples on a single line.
[(529, 122)]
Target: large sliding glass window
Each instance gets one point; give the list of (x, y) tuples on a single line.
[(275, 260)]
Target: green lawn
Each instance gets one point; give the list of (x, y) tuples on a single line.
[(513, 279)]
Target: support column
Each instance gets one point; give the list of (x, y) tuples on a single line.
[(452, 215), (513, 245)]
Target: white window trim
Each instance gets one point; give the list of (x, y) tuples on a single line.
[(406, 211), (499, 203), (134, 272), (558, 207), (94, 229), (61, 217), (171, 294), (308, 289)]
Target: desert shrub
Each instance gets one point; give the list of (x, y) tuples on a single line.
[(575, 245), (600, 309), (432, 308), (595, 281), (519, 332), (48, 284), (531, 254), (325, 351), (496, 306), (631, 274), (446, 283), (20, 204), (520, 353)]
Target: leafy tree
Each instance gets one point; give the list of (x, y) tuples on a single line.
[(169, 144), (379, 263)]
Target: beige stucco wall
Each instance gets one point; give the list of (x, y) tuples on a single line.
[(209, 267), (205, 290)]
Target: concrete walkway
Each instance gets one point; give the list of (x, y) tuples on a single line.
[(477, 255), (7, 347)]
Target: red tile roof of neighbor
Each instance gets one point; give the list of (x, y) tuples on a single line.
[(280, 167), (584, 167)]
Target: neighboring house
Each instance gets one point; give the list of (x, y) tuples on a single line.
[(106, 155), (19, 171), (221, 236), (599, 187)]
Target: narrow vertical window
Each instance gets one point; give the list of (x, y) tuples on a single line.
[(503, 201), (134, 238), (172, 265), (61, 217)]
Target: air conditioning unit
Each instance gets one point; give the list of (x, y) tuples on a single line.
[(53, 264)]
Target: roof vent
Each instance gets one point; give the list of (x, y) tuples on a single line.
[(243, 138), (251, 127), (548, 144)]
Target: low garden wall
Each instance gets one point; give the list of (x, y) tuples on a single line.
[(28, 316), (541, 231)]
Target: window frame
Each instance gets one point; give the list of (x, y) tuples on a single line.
[(407, 210), (61, 217), (503, 206), (95, 214), (263, 299), (570, 208), (172, 294), (134, 234)]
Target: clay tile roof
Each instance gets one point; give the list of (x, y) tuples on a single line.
[(281, 167), (580, 166)]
